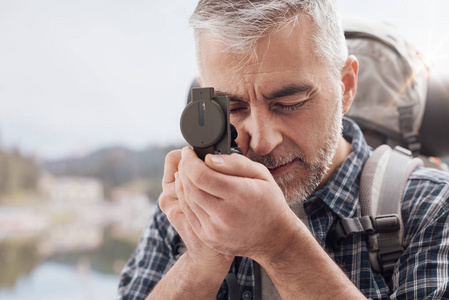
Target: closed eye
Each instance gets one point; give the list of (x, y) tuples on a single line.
[(236, 110), (290, 107), (237, 106)]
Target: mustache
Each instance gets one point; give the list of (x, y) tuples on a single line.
[(272, 160)]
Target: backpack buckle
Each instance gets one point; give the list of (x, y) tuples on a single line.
[(346, 227), (387, 223)]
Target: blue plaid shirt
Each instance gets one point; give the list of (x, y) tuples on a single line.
[(422, 272)]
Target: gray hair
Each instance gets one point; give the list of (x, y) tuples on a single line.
[(239, 24)]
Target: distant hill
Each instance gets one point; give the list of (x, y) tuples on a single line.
[(117, 166)]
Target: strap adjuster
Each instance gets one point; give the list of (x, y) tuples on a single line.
[(388, 258)]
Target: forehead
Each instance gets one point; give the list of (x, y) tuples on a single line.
[(285, 53)]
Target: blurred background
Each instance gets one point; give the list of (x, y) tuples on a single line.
[(91, 92)]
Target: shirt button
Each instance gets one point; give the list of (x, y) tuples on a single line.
[(247, 295)]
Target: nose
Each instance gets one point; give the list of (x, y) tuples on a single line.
[(263, 132)]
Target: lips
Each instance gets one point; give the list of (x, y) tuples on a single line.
[(281, 169)]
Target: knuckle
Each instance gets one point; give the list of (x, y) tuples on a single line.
[(171, 190), (166, 186), (163, 202), (200, 176)]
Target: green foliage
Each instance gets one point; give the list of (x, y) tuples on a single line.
[(18, 257), (17, 173)]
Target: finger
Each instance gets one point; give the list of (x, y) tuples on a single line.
[(171, 208), (188, 208), (194, 197), (171, 166)]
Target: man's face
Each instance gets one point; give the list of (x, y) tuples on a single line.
[(285, 105)]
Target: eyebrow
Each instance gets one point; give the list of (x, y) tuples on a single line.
[(232, 97), (289, 90)]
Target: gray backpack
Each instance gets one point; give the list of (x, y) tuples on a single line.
[(398, 101), (392, 84), (389, 108)]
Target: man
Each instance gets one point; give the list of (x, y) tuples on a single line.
[(260, 220)]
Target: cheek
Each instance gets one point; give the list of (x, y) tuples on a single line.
[(300, 134), (309, 130)]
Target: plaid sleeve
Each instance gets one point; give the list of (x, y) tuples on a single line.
[(154, 256), (423, 269)]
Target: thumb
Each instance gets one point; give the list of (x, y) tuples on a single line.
[(237, 165)]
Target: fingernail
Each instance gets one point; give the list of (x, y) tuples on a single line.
[(176, 176), (216, 159)]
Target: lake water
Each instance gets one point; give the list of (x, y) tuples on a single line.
[(74, 258)]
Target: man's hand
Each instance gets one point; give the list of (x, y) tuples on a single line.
[(172, 203), (233, 204)]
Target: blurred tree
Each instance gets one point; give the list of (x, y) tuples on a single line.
[(18, 257), (17, 173)]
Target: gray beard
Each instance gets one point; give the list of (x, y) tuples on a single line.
[(297, 190)]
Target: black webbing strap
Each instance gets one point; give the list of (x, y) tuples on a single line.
[(258, 279), (233, 286)]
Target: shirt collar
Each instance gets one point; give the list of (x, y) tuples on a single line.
[(341, 191)]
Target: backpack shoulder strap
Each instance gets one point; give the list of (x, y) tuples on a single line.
[(382, 187)]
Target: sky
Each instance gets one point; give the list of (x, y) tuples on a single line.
[(78, 75)]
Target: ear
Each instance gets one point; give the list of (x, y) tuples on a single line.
[(349, 82)]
